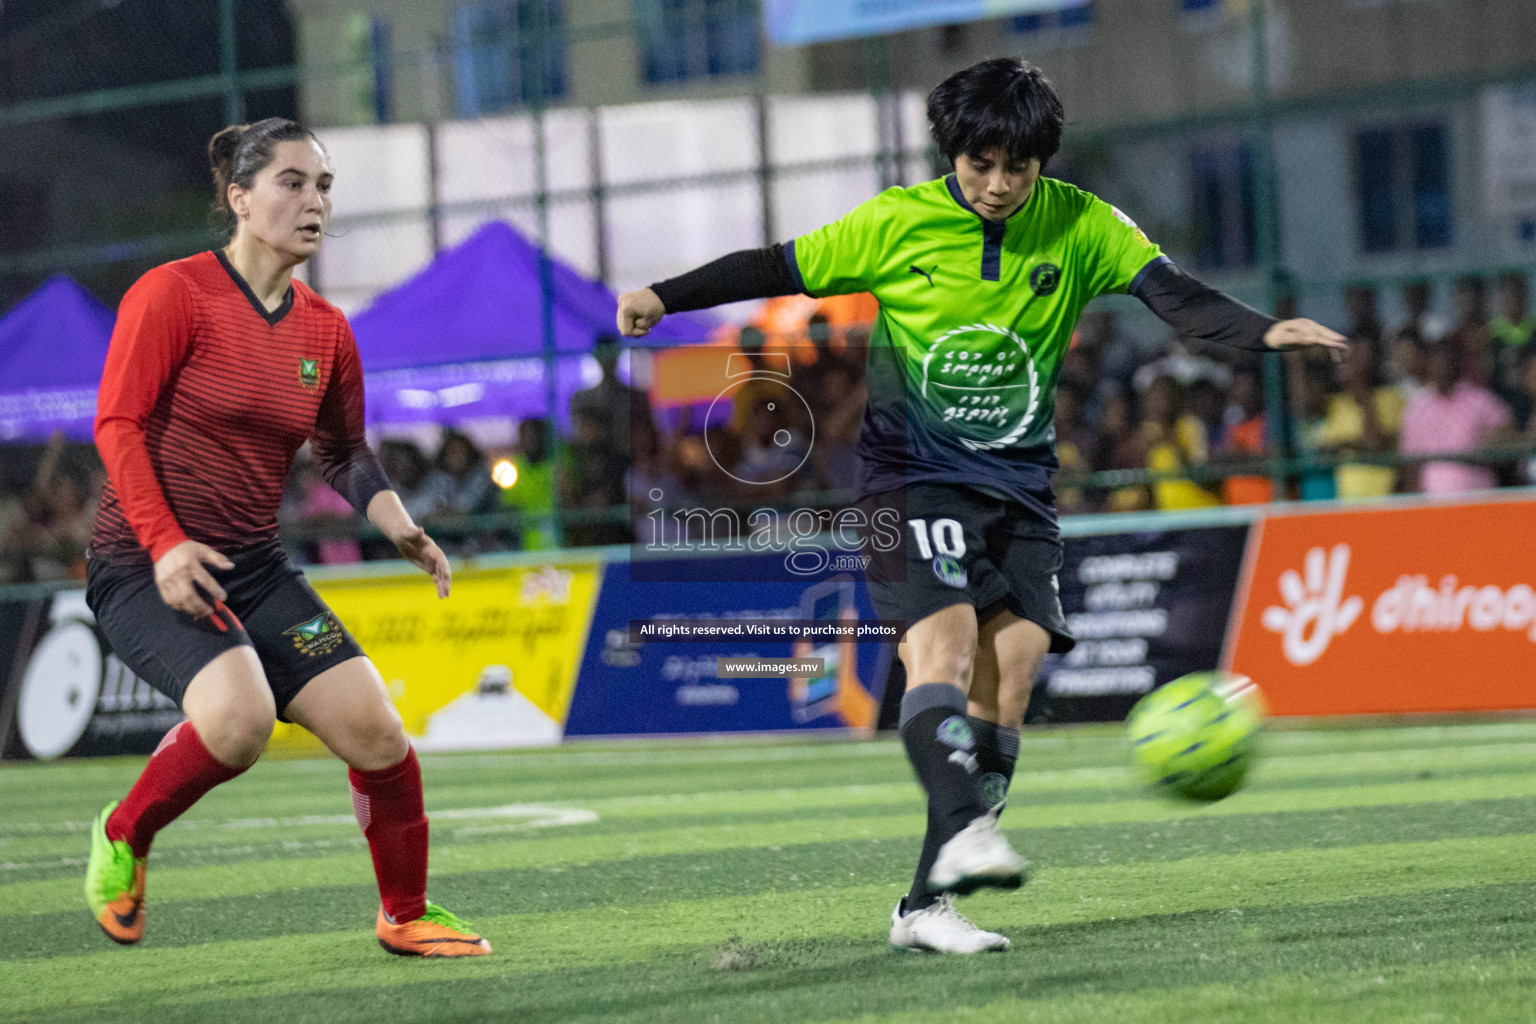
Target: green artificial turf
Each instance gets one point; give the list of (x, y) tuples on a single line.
[(1372, 875)]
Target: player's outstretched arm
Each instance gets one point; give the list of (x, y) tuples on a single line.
[(747, 274), (1196, 310), (1302, 332)]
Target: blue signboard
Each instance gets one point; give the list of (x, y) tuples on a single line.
[(796, 22), (667, 686)]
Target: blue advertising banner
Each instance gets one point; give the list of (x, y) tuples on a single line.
[(795, 22), (627, 687)]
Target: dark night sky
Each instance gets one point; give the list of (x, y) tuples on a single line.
[(51, 48)]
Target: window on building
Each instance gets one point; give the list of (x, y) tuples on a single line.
[(1222, 203), (508, 53), (367, 44), (1073, 14), (1403, 187), (682, 40)]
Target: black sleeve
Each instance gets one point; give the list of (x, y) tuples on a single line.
[(748, 274), (1196, 310), (358, 478)]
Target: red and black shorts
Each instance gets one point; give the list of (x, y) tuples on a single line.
[(270, 607)]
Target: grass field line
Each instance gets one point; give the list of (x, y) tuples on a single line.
[(614, 934), (749, 749), (1448, 992), (211, 880), (1027, 781)]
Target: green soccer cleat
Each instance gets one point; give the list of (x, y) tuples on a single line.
[(114, 884)]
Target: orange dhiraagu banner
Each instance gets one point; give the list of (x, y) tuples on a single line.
[(1428, 608), (492, 666)]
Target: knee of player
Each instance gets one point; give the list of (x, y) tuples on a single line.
[(940, 665), (239, 732), (379, 739)]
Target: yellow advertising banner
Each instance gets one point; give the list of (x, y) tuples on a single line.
[(493, 665)]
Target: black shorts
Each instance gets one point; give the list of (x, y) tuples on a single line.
[(270, 607), (961, 546)]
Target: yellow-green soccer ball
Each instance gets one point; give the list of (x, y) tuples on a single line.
[(1197, 736)]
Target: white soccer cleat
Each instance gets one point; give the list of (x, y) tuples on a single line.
[(976, 857), (940, 928)]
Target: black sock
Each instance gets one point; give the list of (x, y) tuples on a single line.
[(997, 750), (942, 748)]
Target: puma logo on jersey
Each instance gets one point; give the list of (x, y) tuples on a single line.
[(915, 269)]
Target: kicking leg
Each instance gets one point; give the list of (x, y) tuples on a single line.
[(1008, 656), (348, 708)]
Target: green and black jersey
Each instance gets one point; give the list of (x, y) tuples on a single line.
[(975, 318)]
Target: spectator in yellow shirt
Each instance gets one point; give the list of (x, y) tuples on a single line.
[(1175, 440), (1365, 417)]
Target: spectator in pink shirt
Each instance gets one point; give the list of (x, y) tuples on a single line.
[(1453, 414)]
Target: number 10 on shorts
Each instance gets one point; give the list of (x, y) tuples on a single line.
[(943, 536)]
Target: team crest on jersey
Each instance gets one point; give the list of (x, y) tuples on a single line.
[(316, 637), (1044, 278), (982, 382), (309, 373)]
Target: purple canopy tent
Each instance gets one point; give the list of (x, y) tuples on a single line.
[(53, 344), (464, 338)]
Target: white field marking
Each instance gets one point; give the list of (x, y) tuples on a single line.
[(703, 754), (536, 815), (1271, 765), (1274, 764)]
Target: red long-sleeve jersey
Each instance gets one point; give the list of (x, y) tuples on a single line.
[(206, 398)]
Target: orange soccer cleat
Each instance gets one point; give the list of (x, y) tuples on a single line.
[(435, 933)]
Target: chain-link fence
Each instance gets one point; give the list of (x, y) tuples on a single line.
[(1354, 208)]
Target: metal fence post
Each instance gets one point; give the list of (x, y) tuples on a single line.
[(1267, 237), (234, 99)]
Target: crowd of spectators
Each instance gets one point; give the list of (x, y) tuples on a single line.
[(1187, 427)]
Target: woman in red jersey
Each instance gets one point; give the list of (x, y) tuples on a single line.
[(221, 366)]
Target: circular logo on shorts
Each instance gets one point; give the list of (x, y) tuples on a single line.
[(1044, 278), (950, 571)]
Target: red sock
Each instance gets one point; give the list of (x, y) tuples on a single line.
[(179, 772), (390, 812)]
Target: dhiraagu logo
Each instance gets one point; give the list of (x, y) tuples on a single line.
[(982, 382)]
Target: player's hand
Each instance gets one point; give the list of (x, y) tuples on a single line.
[(1302, 332), (422, 552), (639, 312), (184, 581)]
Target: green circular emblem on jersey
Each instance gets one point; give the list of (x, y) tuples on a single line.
[(1044, 278), (980, 382)]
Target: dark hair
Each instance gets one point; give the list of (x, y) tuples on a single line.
[(240, 152), (1006, 102)]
